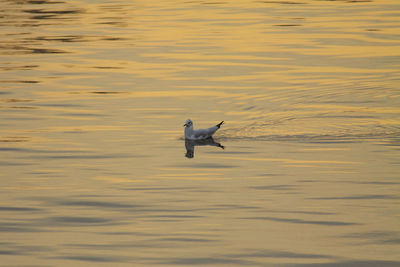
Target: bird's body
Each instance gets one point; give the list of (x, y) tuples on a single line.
[(192, 134)]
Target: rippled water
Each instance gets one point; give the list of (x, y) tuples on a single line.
[(94, 168)]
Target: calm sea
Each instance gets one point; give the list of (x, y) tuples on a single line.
[(94, 167)]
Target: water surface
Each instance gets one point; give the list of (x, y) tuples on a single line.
[(95, 171)]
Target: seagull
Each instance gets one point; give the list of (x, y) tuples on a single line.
[(192, 134)]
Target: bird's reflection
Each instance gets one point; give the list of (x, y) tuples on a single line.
[(190, 144)]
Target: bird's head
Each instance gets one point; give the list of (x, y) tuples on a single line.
[(188, 123)]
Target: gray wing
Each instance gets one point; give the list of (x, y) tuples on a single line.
[(204, 133)]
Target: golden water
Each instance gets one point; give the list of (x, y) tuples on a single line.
[(93, 96)]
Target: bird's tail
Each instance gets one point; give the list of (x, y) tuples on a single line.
[(219, 124)]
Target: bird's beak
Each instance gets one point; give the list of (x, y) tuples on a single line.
[(185, 124)]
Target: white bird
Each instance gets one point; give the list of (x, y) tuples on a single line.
[(193, 134)]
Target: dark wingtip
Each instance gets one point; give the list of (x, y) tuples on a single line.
[(219, 124)]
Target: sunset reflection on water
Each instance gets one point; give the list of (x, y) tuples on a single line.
[(95, 170)]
